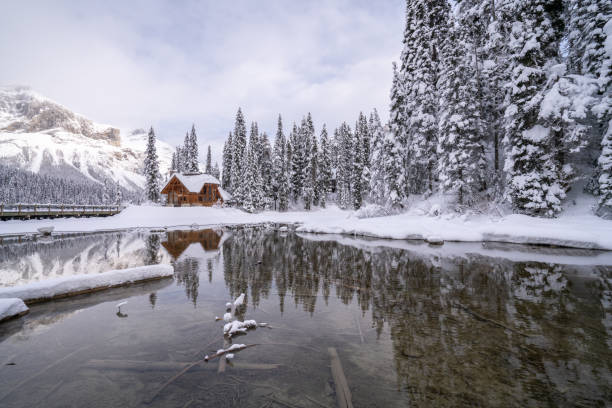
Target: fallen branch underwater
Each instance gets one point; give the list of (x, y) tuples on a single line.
[(343, 393), (484, 319), (138, 365), (233, 349)]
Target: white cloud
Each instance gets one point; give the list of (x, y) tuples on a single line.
[(168, 64)]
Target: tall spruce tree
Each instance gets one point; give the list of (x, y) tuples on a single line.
[(151, 170), (533, 168), (357, 169), (278, 162), (208, 161), (284, 181), (186, 152), (227, 163), (238, 158), (364, 137), (425, 32), (297, 162), (266, 172), (461, 151), (395, 145), (346, 153), (193, 151), (324, 173), (377, 188), (605, 178)]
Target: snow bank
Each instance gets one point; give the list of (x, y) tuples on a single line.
[(578, 229), (11, 308), (79, 284)]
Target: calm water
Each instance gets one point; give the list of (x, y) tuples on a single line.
[(460, 325)]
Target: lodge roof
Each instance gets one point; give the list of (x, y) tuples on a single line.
[(194, 183)]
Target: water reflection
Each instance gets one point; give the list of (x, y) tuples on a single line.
[(465, 330), (189, 250), (414, 325), (79, 254)]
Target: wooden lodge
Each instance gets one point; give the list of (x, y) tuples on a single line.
[(193, 190)]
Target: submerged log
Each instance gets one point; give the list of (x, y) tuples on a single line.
[(487, 320), (137, 365), (343, 393)]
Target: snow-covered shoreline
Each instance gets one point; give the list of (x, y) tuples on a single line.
[(56, 288), (12, 308), (573, 230)]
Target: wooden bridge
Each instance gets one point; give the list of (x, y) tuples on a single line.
[(28, 211)]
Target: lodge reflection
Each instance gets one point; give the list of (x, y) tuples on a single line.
[(191, 251), (464, 329)]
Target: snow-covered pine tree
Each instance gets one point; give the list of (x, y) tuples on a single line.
[(266, 172), (396, 143), (238, 158), (186, 151), (208, 161), (589, 28), (314, 169), (193, 151), (425, 32), (586, 35), (179, 159), (364, 137), (485, 25), (215, 171), (151, 170), (227, 163), (357, 167), (534, 173), (118, 197), (605, 178), (307, 137), (256, 154), (324, 168), (297, 162), (278, 162), (248, 176), (461, 153), (284, 181), (377, 186), (173, 163), (346, 156)]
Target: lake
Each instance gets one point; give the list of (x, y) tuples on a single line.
[(412, 324)]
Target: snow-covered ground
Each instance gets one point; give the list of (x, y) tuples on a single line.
[(578, 229), (11, 307), (58, 287)]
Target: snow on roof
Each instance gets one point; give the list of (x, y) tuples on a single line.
[(224, 194), (195, 182)]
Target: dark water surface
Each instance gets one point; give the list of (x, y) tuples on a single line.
[(412, 325)]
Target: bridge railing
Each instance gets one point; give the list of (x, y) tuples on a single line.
[(57, 209)]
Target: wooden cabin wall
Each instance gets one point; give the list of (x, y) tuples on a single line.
[(208, 196)]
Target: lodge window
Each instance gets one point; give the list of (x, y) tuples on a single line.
[(199, 198)]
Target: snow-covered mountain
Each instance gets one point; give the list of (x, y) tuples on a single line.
[(42, 136)]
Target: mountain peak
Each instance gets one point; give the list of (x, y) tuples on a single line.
[(23, 110)]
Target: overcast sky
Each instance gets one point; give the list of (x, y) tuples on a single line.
[(169, 64)]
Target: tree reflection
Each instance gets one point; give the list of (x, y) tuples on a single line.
[(462, 327), (189, 249)]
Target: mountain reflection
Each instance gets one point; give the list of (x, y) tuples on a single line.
[(459, 325)]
